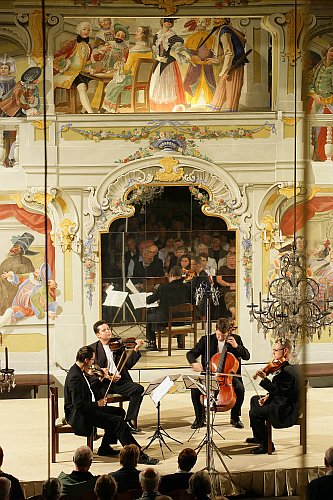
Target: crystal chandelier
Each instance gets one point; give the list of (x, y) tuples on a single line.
[(7, 378), (292, 308)]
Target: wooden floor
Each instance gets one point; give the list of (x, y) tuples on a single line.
[(24, 438)]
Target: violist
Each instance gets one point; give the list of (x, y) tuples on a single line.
[(222, 341)]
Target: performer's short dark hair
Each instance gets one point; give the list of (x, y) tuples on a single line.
[(99, 323), (223, 325), (85, 352), (187, 459), (176, 272)]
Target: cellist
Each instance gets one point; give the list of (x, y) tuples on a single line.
[(220, 341)]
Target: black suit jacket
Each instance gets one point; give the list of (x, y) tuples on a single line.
[(283, 392), (170, 294), (127, 479), (320, 488), (101, 359), (200, 350), (78, 402), (176, 481)]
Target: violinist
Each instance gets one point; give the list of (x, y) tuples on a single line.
[(220, 341), (84, 409), (122, 383), (280, 405)]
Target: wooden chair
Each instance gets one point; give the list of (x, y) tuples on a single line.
[(65, 100), (183, 313), (60, 427), (139, 89), (301, 422)]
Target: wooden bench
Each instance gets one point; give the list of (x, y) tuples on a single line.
[(34, 380)]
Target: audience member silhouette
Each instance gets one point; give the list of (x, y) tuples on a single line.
[(80, 480), (127, 476), (322, 487), (16, 492), (180, 479), (51, 489), (200, 485), (105, 487), (5, 487)]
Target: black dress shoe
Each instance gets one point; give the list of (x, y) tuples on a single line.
[(237, 423), (260, 450), (197, 425), (107, 451), (147, 460), (151, 346), (252, 440), (132, 428)]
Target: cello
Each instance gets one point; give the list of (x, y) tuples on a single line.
[(224, 363)]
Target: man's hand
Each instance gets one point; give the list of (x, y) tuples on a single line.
[(138, 344), (197, 367), (263, 400), (102, 402), (116, 378), (260, 373), (231, 340)]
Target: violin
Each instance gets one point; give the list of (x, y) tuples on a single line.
[(117, 343), (188, 274), (95, 370), (272, 367), (225, 362)]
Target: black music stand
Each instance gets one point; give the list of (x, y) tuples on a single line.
[(157, 389)]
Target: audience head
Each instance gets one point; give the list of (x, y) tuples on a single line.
[(51, 489), (149, 480), (83, 458), (329, 458), (5, 486), (129, 455), (187, 459), (105, 487), (199, 484)]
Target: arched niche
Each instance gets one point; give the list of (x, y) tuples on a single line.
[(113, 199)]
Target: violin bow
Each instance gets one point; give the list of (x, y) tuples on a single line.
[(117, 371)]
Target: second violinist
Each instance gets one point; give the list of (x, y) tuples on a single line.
[(234, 345), (280, 405), (122, 383)]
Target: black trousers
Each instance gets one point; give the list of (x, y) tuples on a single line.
[(131, 390), (154, 322), (258, 416), (235, 411), (111, 419)]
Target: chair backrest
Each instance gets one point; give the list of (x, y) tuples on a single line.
[(54, 403), (182, 313), (180, 494), (143, 70)]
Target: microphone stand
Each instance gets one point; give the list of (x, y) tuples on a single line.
[(209, 294)]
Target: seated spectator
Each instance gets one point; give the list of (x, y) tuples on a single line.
[(149, 481), (80, 480), (210, 264), (180, 479), (51, 489), (322, 487), (175, 257), (106, 487), (185, 262), (5, 486), (128, 476), (200, 485), (16, 492)]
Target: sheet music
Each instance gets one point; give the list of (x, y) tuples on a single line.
[(132, 288), (162, 390), (114, 298), (138, 300)]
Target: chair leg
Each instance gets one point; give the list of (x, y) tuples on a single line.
[(159, 340), (53, 447), (90, 441), (169, 343), (303, 435), (269, 437)]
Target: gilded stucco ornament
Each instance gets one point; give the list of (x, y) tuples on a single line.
[(170, 171), (170, 6), (66, 233)]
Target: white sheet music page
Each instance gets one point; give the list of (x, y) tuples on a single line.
[(114, 298), (161, 390)]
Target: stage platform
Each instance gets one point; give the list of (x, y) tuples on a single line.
[(25, 432)]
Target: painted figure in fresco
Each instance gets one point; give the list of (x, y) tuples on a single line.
[(18, 263), (116, 54), (200, 74), (7, 74), (23, 99), (324, 277), (30, 299), (70, 63), (166, 86), (321, 97), (102, 44), (137, 52), (231, 43)]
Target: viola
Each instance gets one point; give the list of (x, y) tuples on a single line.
[(224, 362), (272, 367), (188, 274), (118, 343), (95, 370)]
